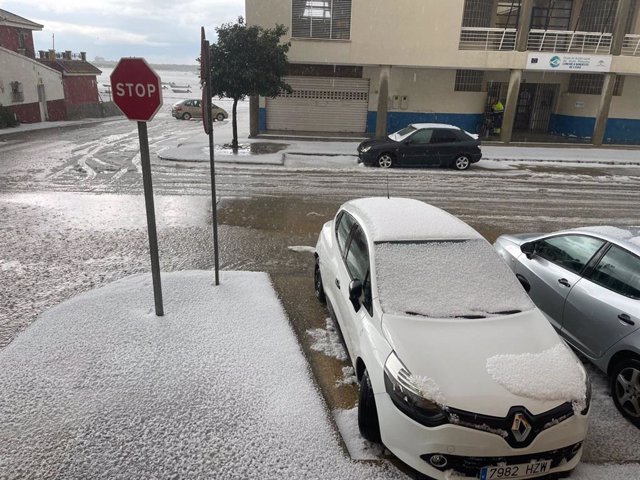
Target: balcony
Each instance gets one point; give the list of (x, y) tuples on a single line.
[(569, 42), (472, 38), (631, 45)]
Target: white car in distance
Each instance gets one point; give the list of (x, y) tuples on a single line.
[(461, 376)]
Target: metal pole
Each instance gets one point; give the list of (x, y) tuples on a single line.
[(151, 216), (214, 201)]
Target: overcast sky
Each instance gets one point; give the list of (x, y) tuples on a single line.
[(162, 31)]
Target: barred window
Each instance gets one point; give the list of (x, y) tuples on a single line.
[(477, 13), (599, 16), (17, 94), (591, 84), (551, 14), (469, 80), (330, 19)]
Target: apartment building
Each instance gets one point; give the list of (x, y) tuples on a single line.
[(561, 67)]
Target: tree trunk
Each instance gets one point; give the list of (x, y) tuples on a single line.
[(234, 143)]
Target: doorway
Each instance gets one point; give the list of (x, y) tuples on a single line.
[(535, 106), (42, 101)]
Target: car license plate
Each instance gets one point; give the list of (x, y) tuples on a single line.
[(523, 470)]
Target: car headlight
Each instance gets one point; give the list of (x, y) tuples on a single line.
[(587, 399), (407, 396), (366, 149)]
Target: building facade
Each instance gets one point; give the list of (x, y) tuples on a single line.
[(79, 80), (31, 91), (560, 67)]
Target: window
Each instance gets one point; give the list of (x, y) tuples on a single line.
[(551, 14), (444, 136), (477, 13), (572, 252), (619, 271), (592, 84), (328, 19), (599, 16), (17, 95), (422, 136), (344, 223), (508, 14), (469, 80), (358, 256)]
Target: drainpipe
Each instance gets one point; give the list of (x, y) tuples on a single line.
[(617, 39)]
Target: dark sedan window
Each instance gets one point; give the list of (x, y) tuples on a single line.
[(619, 271), (444, 136), (572, 252), (344, 222), (422, 136)]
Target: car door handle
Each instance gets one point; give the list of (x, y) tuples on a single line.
[(338, 283), (564, 282), (626, 319)]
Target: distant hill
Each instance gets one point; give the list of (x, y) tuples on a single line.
[(156, 66)]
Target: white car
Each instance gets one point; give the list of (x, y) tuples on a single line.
[(460, 374)]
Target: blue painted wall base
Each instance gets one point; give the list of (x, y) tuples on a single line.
[(262, 119), (619, 130)]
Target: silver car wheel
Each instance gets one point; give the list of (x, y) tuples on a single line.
[(627, 391), (385, 160), (462, 162)]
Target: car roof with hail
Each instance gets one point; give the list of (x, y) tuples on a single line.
[(628, 237), (404, 219), (434, 125)]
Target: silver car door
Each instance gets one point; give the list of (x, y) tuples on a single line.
[(605, 307), (554, 269)]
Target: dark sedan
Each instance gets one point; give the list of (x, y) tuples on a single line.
[(422, 144)]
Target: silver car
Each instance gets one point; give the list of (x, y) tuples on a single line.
[(587, 282)]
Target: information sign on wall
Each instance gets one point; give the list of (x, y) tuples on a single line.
[(569, 62)]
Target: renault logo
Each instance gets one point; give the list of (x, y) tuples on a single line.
[(521, 428)]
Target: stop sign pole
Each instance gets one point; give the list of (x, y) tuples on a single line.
[(137, 92)]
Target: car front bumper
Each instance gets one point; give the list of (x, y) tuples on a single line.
[(467, 450), (368, 158)]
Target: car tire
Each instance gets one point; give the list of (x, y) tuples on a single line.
[(385, 160), (220, 117), (461, 162), (625, 389), (317, 284), (367, 413), (186, 116)]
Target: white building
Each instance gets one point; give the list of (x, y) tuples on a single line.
[(563, 67)]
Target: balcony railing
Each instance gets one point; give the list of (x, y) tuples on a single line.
[(487, 38), (631, 45), (569, 42)]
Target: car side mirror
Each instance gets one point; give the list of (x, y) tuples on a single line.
[(355, 292), (529, 249), (408, 142)]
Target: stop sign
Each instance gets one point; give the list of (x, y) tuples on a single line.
[(136, 88)]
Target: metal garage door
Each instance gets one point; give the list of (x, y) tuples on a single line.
[(320, 104)]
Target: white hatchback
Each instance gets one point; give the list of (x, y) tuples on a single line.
[(460, 374)]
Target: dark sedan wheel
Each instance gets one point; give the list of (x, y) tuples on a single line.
[(462, 162), (367, 413), (220, 117), (186, 116), (385, 160), (317, 282), (625, 389)]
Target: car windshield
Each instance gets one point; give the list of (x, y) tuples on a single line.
[(446, 279), (400, 134)]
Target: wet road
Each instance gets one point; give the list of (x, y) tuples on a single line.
[(73, 216)]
